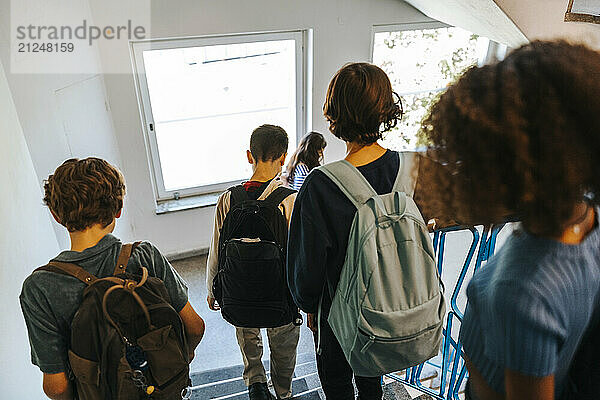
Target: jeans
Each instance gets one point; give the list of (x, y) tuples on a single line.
[(336, 374)]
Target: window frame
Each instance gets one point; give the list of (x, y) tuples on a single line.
[(571, 16), (303, 67)]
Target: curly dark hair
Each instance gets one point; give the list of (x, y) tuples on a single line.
[(520, 137), (360, 104), (268, 142), (83, 193), (307, 152)]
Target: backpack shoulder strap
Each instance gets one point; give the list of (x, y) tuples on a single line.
[(278, 195), (124, 256), (69, 269), (238, 194), (350, 181), (406, 179)]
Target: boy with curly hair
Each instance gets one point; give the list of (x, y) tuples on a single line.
[(86, 197)]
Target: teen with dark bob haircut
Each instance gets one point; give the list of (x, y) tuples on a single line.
[(521, 137), (360, 106), (307, 156)]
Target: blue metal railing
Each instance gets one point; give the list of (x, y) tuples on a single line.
[(451, 367)]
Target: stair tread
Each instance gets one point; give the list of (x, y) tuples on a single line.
[(227, 383), (235, 371), (299, 386)]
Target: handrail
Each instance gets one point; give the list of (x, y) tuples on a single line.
[(452, 370)]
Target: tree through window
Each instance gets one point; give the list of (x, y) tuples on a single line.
[(421, 63)]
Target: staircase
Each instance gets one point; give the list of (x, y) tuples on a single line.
[(227, 383)]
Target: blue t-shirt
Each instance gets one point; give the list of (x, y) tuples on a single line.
[(529, 307)]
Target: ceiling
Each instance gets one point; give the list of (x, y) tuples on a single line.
[(512, 22)]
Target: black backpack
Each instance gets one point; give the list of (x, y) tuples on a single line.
[(251, 285), (127, 341)]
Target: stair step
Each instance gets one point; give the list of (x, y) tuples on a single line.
[(230, 379), (300, 390), (311, 394), (228, 384), (221, 374), (397, 391)]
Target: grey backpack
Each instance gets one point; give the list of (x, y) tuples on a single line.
[(388, 308)]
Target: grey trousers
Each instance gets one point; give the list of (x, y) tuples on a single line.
[(283, 342)]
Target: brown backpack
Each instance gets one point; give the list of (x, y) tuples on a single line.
[(127, 341)]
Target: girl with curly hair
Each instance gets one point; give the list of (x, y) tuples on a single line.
[(521, 138)]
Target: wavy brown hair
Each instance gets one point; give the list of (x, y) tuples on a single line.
[(83, 193), (308, 152), (360, 104), (520, 137)]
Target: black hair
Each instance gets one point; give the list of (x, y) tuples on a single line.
[(268, 142)]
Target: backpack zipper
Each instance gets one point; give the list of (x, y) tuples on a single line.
[(373, 338), (253, 241)]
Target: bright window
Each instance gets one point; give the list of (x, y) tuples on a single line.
[(421, 62), (201, 98)]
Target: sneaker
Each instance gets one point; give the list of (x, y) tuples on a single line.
[(259, 391)]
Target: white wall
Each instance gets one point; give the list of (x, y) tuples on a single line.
[(27, 240), (342, 33), (544, 19), (62, 116)]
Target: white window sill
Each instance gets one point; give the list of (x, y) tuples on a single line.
[(187, 203)]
